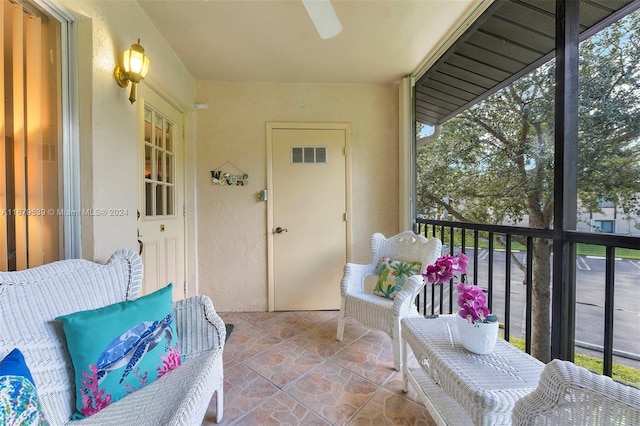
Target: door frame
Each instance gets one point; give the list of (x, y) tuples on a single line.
[(270, 127)]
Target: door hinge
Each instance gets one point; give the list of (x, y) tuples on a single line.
[(184, 210), (344, 215), (344, 150), (184, 132)]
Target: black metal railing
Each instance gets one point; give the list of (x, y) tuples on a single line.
[(455, 235)]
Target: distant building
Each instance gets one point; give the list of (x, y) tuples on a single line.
[(611, 220)]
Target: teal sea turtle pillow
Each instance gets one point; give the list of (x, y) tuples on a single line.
[(19, 403), (392, 275), (117, 349)]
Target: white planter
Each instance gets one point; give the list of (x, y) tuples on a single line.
[(479, 338)]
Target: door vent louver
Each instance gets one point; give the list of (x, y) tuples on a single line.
[(308, 154)]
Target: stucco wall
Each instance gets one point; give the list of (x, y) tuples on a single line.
[(108, 124), (232, 251)]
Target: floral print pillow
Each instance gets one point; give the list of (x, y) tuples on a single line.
[(117, 349), (392, 275), (19, 403)]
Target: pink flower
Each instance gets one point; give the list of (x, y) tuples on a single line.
[(471, 300), (460, 264), (445, 268), (430, 275)]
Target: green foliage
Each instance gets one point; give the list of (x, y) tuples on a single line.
[(483, 243), (609, 108), (494, 162), (621, 373)]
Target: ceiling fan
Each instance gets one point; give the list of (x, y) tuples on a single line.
[(323, 17)]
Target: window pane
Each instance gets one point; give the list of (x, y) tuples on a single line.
[(158, 133), (160, 200), (160, 162), (169, 200), (147, 162), (169, 170), (147, 125), (148, 198), (603, 226), (168, 137)]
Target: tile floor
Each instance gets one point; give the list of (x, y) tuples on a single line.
[(287, 368)]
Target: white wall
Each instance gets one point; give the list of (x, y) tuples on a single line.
[(231, 225), (231, 222), (108, 125)]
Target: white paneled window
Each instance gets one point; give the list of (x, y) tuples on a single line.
[(159, 165)]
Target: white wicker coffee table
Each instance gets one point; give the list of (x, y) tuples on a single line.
[(459, 387)]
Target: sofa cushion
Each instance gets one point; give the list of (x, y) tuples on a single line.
[(392, 275), (120, 348), (19, 403)]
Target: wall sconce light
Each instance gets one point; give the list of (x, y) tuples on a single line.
[(136, 67)]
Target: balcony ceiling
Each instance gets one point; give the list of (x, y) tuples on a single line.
[(510, 39), (275, 41)]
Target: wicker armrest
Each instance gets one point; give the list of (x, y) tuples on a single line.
[(353, 279), (569, 394), (403, 301), (199, 326)]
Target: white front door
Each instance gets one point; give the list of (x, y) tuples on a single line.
[(308, 231), (161, 225)]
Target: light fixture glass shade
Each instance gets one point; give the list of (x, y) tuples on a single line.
[(136, 63), (135, 68)]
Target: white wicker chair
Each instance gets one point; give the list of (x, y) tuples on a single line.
[(571, 395), (31, 299), (378, 312)]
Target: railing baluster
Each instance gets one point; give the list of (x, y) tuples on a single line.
[(475, 256), (451, 284), (490, 272), (451, 240), (463, 237), (608, 310), (463, 248), (529, 296), (610, 242), (507, 289), (433, 298)]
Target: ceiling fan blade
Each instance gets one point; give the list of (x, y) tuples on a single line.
[(323, 17)]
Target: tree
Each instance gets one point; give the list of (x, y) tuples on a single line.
[(496, 158)]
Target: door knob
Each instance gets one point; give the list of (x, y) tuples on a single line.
[(281, 230)]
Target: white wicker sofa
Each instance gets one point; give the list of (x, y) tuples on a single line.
[(31, 299), (568, 394)]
